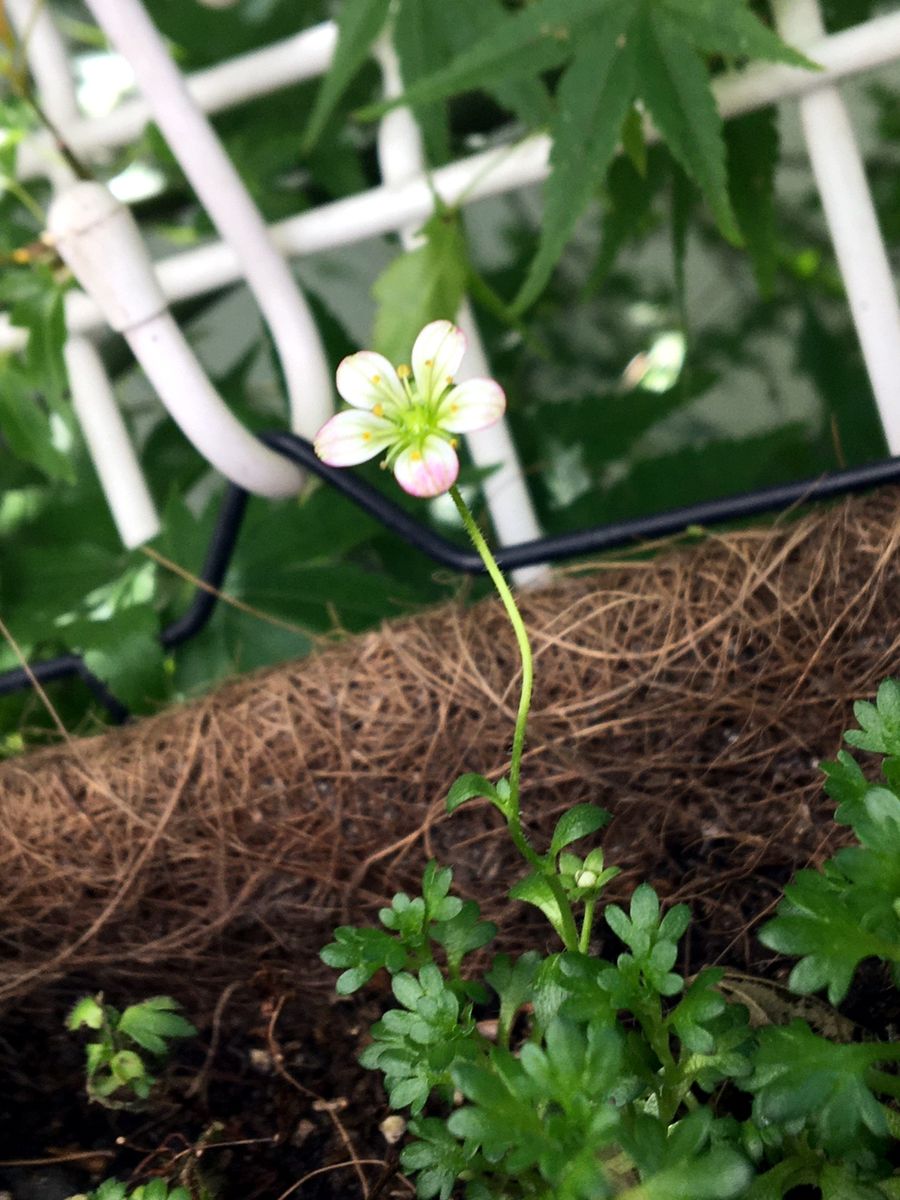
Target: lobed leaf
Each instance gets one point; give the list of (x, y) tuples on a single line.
[(801, 1076), (359, 24)]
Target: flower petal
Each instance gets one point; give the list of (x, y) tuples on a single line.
[(353, 437), (472, 405), (436, 355), (428, 471), (366, 379)]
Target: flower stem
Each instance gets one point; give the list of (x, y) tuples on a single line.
[(518, 625), (569, 932)]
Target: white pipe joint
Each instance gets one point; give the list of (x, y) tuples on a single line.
[(101, 244), (99, 240)]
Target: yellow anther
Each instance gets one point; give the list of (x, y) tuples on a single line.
[(376, 379), (403, 371), (454, 442), (429, 362), (378, 410), (416, 456), (454, 409), (367, 437), (449, 378)]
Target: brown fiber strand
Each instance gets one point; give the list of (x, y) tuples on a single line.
[(692, 695)]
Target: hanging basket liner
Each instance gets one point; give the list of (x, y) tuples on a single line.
[(691, 694)]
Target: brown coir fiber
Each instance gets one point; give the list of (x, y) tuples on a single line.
[(692, 695)]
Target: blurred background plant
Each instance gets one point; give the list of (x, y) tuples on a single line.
[(654, 362)]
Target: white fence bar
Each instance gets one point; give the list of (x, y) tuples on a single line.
[(109, 444), (401, 156), (840, 175), (245, 77), (222, 193)]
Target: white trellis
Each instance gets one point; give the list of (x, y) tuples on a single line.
[(400, 204)]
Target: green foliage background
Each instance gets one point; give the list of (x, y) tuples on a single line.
[(712, 245)]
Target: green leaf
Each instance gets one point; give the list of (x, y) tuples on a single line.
[(473, 787), (125, 652), (752, 148), (835, 918), (26, 427), (463, 933), (359, 23), (578, 822), (698, 1007), (535, 889), (514, 984), (729, 27), (450, 31), (846, 783), (801, 1076), (676, 88), (423, 285), (153, 1022), (88, 1011), (362, 952), (634, 143), (595, 96), (436, 1156), (718, 1174), (528, 42), (127, 1067), (880, 722)]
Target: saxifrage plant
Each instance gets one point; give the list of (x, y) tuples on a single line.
[(617, 1076)]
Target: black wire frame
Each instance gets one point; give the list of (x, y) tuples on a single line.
[(445, 552)]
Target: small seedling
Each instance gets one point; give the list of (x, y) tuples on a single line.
[(125, 1046), (156, 1189)]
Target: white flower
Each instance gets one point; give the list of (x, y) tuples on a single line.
[(413, 414)]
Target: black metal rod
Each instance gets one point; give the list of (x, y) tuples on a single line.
[(584, 541), (446, 552), (218, 557)]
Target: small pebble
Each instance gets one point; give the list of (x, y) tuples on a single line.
[(393, 1128)]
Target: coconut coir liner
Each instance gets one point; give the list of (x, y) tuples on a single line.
[(691, 695)]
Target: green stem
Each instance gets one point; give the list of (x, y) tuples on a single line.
[(513, 818), (515, 618), (587, 924)]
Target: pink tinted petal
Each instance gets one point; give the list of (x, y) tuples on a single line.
[(472, 405), (366, 379), (353, 437), (428, 472), (436, 355)]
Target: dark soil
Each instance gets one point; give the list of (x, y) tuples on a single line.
[(268, 1102)]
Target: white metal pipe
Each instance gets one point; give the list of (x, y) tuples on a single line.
[(853, 223), (47, 57), (386, 209), (226, 199), (401, 157), (100, 241), (194, 404), (110, 447), (51, 71), (245, 77)]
